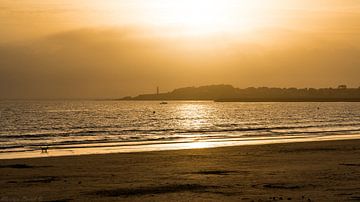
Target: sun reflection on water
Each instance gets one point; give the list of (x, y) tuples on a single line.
[(194, 116), (200, 145)]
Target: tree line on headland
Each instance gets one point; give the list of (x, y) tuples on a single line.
[(228, 93)]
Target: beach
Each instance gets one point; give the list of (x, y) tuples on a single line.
[(309, 171), (179, 100)]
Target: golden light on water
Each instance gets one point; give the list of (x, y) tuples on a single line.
[(194, 116)]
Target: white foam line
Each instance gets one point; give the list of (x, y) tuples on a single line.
[(163, 146)]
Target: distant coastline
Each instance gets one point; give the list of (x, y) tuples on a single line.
[(289, 100), (228, 93)]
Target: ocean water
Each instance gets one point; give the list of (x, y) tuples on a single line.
[(26, 126)]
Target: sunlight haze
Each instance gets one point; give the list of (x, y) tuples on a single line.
[(111, 48)]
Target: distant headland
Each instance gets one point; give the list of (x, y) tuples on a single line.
[(228, 93)]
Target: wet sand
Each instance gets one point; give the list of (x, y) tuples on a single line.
[(311, 171)]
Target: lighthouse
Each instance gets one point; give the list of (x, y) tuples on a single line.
[(157, 90)]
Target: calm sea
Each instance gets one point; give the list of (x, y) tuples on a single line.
[(26, 126)]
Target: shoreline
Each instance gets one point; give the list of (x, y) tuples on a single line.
[(138, 147), (306, 171)]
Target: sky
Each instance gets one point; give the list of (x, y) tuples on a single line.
[(115, 48)]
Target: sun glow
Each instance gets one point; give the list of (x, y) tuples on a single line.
[(194, 17), (200, 16)]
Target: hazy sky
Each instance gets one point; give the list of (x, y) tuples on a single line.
[(114, 48)]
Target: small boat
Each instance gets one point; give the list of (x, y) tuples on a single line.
[(163, 103)]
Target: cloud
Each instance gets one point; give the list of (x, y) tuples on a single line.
[(114, 62)]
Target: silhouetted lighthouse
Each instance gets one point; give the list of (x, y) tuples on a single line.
[(157, 90)]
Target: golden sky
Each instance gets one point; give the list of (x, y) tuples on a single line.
[(113, 48)]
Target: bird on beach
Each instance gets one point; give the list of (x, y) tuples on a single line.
[(44, 149)]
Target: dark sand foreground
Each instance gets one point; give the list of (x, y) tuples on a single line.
[(317, 171)]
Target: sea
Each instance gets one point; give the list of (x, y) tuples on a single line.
[(94, 127)]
